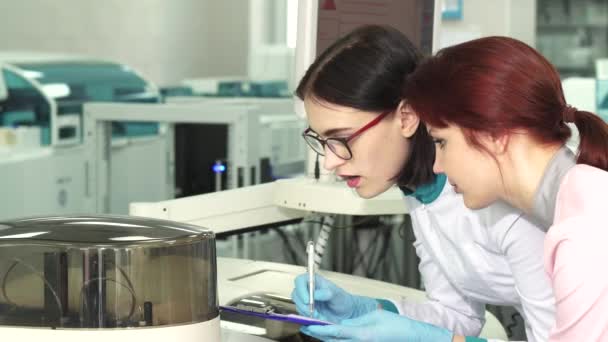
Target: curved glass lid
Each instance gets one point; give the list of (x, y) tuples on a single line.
[(98, 230)]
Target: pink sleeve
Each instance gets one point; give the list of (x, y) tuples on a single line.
[(576, 254)]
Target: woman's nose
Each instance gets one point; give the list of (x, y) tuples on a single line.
[(437, 167), (331, 161)]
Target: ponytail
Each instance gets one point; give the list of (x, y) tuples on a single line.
[(593, 133)]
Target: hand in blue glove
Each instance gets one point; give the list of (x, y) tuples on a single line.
[(379, 325), (332, 303)]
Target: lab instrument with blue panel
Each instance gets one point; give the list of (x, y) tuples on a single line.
[(24, 105), (230, 88), (41, 128), (36, 88)]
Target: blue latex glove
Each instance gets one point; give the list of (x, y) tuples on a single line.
[(379, 325), (332, 303)]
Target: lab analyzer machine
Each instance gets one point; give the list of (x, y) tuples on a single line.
[(42, 163)]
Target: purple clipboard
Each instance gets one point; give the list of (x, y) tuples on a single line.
[(297, 319)]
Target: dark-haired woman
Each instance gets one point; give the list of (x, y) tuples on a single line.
[(373, 140)]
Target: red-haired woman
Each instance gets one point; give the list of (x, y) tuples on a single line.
[(496, 111)]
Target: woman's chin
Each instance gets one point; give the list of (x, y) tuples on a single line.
[(368, 192), (474, 203), (366, 195)]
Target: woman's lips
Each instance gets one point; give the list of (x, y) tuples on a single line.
[(353, 181)]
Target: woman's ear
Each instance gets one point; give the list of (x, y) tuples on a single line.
[(496, 144), (408, 119), (501, 143)]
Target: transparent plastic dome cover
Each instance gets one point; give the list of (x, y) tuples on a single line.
[(105, 272)]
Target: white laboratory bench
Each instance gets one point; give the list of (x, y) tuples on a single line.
[(240, 277)]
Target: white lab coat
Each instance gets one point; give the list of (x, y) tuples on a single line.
[(469, 258)]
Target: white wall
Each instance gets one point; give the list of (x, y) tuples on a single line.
[(523, 21), (227, 37), (167, 40), (170, 40), (512, 18)]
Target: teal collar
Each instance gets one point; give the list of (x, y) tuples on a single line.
[(427, 193)]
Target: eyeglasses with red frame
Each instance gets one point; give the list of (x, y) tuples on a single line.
[(338, 146)]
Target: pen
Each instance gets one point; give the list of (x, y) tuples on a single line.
[(310, 250)]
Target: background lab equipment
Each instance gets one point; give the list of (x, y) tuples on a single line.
[(218, 144), (107, 277), (228, 87), (279, 155), (41, 100)]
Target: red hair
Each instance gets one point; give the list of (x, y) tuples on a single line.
[(499, 85)]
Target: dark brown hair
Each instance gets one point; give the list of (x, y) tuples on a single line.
[(365, 70)]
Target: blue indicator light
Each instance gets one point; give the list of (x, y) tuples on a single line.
[(219, 168)]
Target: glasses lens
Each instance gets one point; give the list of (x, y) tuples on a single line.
[(339, 148), (315, 144)]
